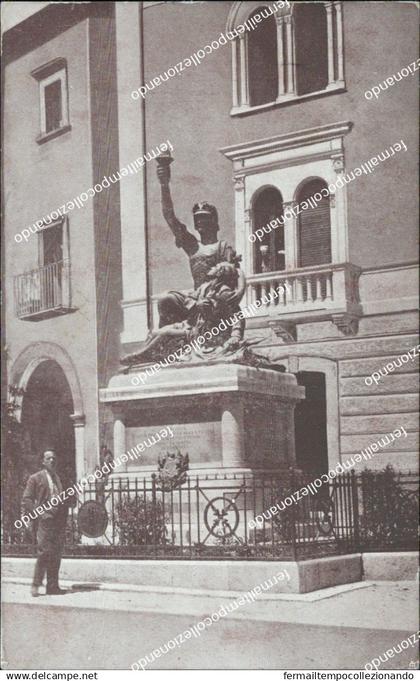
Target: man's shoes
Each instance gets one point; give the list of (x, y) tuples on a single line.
[(56, 591), (35, 591)]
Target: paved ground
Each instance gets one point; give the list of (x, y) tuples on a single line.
[(112, 627)]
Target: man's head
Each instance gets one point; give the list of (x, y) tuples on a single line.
[(105, 454), (225, 273), (49, 460), (206, 221)]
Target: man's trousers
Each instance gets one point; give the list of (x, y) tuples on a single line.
[(50, 542)]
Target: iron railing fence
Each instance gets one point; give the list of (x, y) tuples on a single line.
[(209, 517)]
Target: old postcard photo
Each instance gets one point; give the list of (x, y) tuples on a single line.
[(210, 339)]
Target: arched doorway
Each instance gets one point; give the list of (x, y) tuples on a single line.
[(46, 410)]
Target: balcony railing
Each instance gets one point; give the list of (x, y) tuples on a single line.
[(307, 292), (43, 292)]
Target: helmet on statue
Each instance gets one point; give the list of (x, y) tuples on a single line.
[(204, 212)]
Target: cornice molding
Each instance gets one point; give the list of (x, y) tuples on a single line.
[(322, 133)]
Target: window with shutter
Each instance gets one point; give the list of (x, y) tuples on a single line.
[(311, 48), (314, 227), (51, 250), (262, 60), (53, 99), (53, 106)]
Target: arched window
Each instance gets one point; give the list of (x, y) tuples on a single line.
[(262, 60), (269, 254), (311, 38), (279, 55), (314, 225)]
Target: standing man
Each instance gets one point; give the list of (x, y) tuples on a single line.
[(40, 489)]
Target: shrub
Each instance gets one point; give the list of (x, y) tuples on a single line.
[(140, 521), (389, 510)]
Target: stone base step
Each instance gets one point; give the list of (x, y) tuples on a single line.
[(237, 576), (229, 576)]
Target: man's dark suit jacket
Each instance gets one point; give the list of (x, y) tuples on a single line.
[(37, 492)]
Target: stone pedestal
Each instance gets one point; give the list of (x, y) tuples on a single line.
[(225, 415)]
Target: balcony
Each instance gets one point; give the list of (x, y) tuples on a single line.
[(316, 293), (44, 292)]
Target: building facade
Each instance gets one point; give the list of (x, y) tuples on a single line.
[(270, 117)]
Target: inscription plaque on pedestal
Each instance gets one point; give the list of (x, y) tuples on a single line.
[(202, 442)]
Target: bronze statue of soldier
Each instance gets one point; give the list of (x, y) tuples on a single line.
[(203, 254), (219, 283)]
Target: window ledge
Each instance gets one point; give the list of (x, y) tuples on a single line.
[(37, 315), (47, 136), (337, 87)]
